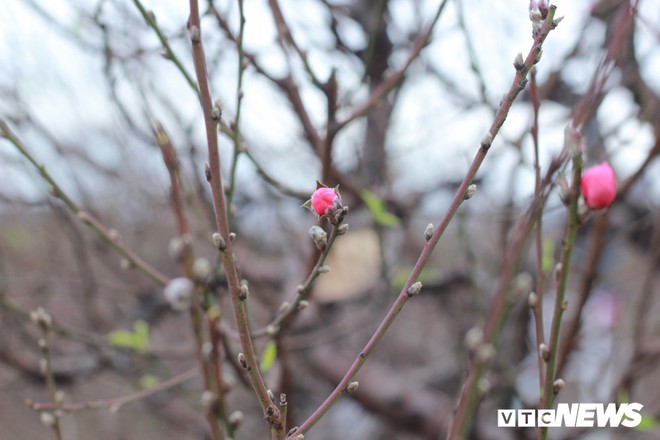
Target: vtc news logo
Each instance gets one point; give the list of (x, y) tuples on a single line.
[(574, 415)]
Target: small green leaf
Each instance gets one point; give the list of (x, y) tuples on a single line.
[(548, 259), (648, 423), (121, 338), (377, 209), (622, 396), (137, 340), (148, 381), (142, 335), (268, 357)]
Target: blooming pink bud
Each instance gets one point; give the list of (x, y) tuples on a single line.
[(324, 199), (598, 186)]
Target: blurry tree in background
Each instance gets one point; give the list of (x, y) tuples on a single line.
[(127, 251)]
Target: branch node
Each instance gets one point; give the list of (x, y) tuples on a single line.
[(195, 35), (243, 362), (487, 141), (243, 291), (414, 289), (428, 232), (218, 241), (469, 192), (352, 387), (558, 385)]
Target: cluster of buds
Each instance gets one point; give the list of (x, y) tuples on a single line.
[(538, 11), (326, 202)]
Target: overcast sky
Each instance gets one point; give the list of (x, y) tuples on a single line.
[(61, 84)]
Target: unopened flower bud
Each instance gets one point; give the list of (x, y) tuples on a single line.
[(42, 318), (48, 419), (533, 299), (175, 248), (216, 111), (564, 189), (324, 269), (218, 241), (428, 232), (201, 269), (469, 192), (235, 419), (319, 237), (343, 229), (243, 291), (302, 305), (178, 293), (487, 140), (484, 352), (414, 289), (207, 171), (352, 387), (473, 338), (324, 201), (544, 352), (209, 399), (598, 186), (535, 13), (519, 63), (557, 385), (195, 35), (243, 362), (522, 283)]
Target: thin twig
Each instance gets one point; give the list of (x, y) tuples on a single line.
[(537, 305), (286, 36), (235, 127), (302, 292), (117, 403), (391, 81), (516, 87), (468, 397), (550, 390), (150, 18), (110, 237), (214, 177), (185, 259), (43, 320)]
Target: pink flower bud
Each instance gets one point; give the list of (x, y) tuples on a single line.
[(324, 199), (598, 186)]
